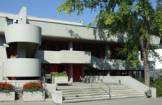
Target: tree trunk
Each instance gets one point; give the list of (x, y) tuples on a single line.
[(145, 49), (146, 67)]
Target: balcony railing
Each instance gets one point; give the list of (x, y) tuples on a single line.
[(112, 64), (23, 33), (65, 56), (22, 67)]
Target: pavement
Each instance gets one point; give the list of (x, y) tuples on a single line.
[(126, 101)]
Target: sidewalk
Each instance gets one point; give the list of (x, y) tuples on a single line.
[(126, 101)]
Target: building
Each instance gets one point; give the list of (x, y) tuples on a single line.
[(32, 47)]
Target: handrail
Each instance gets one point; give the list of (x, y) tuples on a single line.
[(109, 89)]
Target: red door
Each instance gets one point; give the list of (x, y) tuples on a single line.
[(76, 72), (53, 68)]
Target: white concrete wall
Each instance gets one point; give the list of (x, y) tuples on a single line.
[(56, 29), (65, 56), (130, 82), (22, 67), (23, 33), (154, 40), (3, 24), (1, 71), (157, 58), (74, 31), (3, 57)]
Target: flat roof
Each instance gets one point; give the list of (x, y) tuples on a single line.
[(16, 16)]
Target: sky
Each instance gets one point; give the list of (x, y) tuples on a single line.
[(47, 9)]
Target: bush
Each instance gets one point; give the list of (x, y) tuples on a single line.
[(59, 73), (33, 86), (6, 87), (158, 85)]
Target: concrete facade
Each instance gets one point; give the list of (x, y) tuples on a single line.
[(31, 46)]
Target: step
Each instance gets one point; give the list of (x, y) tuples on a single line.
[(82, 92), (118, 88), (87, 94), (126, 96), (72, 89), (96, 93), (120, 94), (92, 94), (124, 91), (86, 99)]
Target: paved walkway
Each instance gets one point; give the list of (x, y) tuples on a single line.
[(126, 101)]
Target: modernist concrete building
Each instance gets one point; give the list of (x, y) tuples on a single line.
[(32, 47)]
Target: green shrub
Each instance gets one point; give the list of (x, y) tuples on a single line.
[(158, 85), (58, 73)]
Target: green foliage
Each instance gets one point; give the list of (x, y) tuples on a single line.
[(135, 18), (58, 73), (158, 17), (155, 83), (158, 84)]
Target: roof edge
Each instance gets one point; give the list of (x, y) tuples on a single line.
[(15, 16)]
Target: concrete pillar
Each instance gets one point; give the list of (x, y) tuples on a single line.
[(71, 66), (1, 71), (107, 52), (71, 73), (3, 58), (71, 46), (139, 55)]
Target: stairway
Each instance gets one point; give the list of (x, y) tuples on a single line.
[(98, 92), (121, 91), (84, 94)]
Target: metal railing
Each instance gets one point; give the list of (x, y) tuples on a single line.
[(107, 87)]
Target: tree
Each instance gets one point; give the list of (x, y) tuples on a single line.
[(158, 16), (136, 18)]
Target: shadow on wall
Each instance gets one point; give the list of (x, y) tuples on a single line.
[(100, 34), (104, 34), (74, 35), (112, 64), (40, 55)]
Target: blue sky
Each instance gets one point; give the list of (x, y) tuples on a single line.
[(47, 9)]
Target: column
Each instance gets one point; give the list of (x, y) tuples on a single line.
[(71, 46), (107, 52), (71, 65), (71, 73)]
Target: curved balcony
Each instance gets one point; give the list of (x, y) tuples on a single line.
[(22, 67), (23, 33)]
